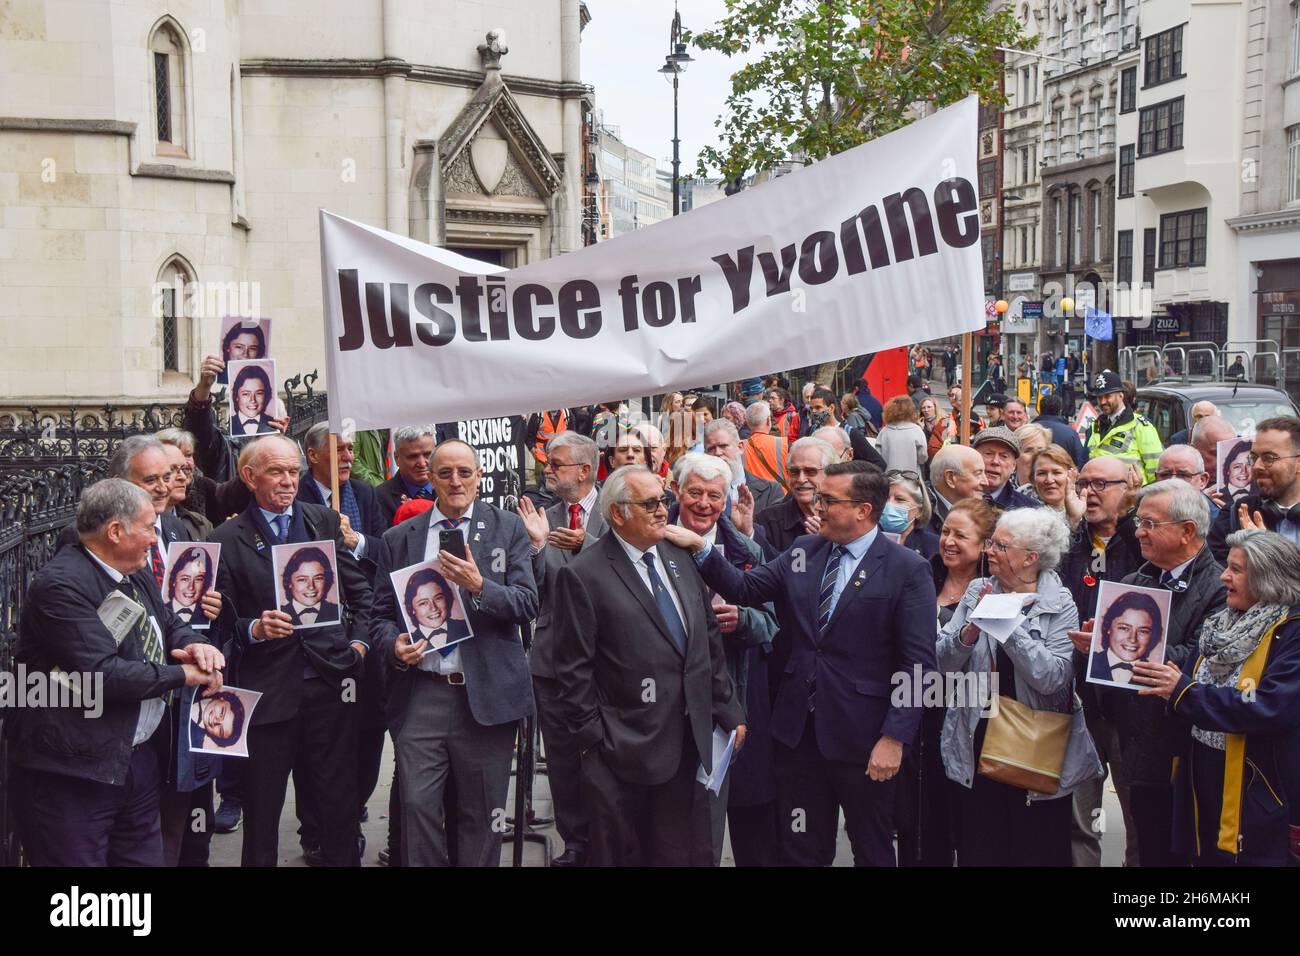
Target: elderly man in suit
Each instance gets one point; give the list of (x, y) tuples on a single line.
[(89, 776), (747, 800), (558, 535), (457, 708), (857, 609), (722, 440), (304, 716), (358, 506), (412, 450), (643, 680)]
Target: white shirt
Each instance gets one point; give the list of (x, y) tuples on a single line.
[(360, 550), (440, 662), (665, 574), (1121, 676), (849, 561), (709, 539), (153, 709)]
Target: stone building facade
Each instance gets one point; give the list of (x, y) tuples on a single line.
[(163, 163)]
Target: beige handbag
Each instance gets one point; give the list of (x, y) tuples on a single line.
[(1023, 747)]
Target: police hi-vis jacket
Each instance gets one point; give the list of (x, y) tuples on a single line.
[(1128, 436)]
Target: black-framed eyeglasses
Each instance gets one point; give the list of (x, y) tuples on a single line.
[(556, 466), (825, 501), (651, 505), (803, 472), (1268, 458), (1097, 485)]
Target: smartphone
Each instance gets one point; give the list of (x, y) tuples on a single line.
[(452, 541)]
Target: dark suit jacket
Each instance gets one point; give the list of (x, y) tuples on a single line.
[(495, 667), (546, 565), (246, 582), (1008, 498), (264, 426), (612, 640), (766, 493), (923, 541), (1226, 523), (781, 525), (389, 498), (372, 520), (329, 611), (884, 623), (60, 628)]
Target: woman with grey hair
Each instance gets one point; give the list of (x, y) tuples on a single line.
[(907, 513), (1237, 787), (998, 824)]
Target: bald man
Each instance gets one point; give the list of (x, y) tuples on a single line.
[(956, 472), (858, 449), (1201, 409), (1206, 435)]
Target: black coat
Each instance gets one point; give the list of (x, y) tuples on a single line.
[(389, 498), (246, 582), (1226, 523), (1149, 740), (60, 628), (372, 522), (611, 639), (780, 525)]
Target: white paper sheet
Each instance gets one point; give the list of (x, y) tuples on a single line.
[(724, 746)]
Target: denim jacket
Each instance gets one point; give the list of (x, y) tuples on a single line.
[(1040, 648)]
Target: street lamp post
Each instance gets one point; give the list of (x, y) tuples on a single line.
[(675, 63)]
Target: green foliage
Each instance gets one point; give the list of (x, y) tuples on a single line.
[(830, 74)]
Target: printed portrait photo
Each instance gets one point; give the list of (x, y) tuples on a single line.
[(189, 573), (219, 723), (243, 339), (431, 606), (306, 583), (1234, 471), (251, 397), (1131, 625)]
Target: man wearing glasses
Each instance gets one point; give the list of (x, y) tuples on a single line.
[(1172, 522), (643, 683), (855, 609), (457, 708), (1104, 547), (558, 535), (1185, 462), (795, 515), (1275, 465)]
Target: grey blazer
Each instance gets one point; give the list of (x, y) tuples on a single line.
[(546, 564), (496, 669)]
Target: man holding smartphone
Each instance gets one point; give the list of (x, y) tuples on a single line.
[(457, 709)]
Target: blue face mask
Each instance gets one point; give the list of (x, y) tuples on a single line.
[(894, 518)]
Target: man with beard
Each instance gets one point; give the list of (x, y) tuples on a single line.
[(1275, 466), (722, 440), (558, 535)]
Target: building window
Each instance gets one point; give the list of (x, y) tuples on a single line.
[(1128, 81), (1024, 165), (169, 71), (1160, 128), (1126, 171), (1148, 257), (175, 332), (1096, 226), (1076, 243), (1026, 91), (1293, 164), (1295, 38), (1078, 129), (1033, 246), (1058, 257), (1124, 256), (1182, 239), (1164, 56)]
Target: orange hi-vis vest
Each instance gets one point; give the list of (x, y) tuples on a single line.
[(765, 456), (550, 427)]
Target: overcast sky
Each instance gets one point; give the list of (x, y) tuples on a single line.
[(624, 45)]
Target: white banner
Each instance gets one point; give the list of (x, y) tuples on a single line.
[(871, 249)]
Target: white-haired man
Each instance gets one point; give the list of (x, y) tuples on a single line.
[(412, 450), (644, 682), (722, 440), (765, 452)]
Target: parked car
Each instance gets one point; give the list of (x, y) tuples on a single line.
[(1169, 407)]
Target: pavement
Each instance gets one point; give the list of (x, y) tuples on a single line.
[(226, 846)]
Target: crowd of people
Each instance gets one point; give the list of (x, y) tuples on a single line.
[(764, 577)]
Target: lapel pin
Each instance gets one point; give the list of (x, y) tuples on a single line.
[(476, 536), (480, 526)]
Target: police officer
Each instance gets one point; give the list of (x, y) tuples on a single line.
[(1120, 431)]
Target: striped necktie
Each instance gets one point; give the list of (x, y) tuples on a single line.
[(825, 599), (150, 645), (348, 505), (156, 563)]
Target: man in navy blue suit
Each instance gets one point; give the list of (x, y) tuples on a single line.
[(357, 506), (857, 609)]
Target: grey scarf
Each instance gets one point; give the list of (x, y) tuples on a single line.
[(1230, 636)]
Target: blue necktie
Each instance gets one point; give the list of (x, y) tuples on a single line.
[(664, 601), (348, 505), (281, 528), (451, 524), (825, 599)]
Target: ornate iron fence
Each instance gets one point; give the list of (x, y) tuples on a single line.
[(46, 459)]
